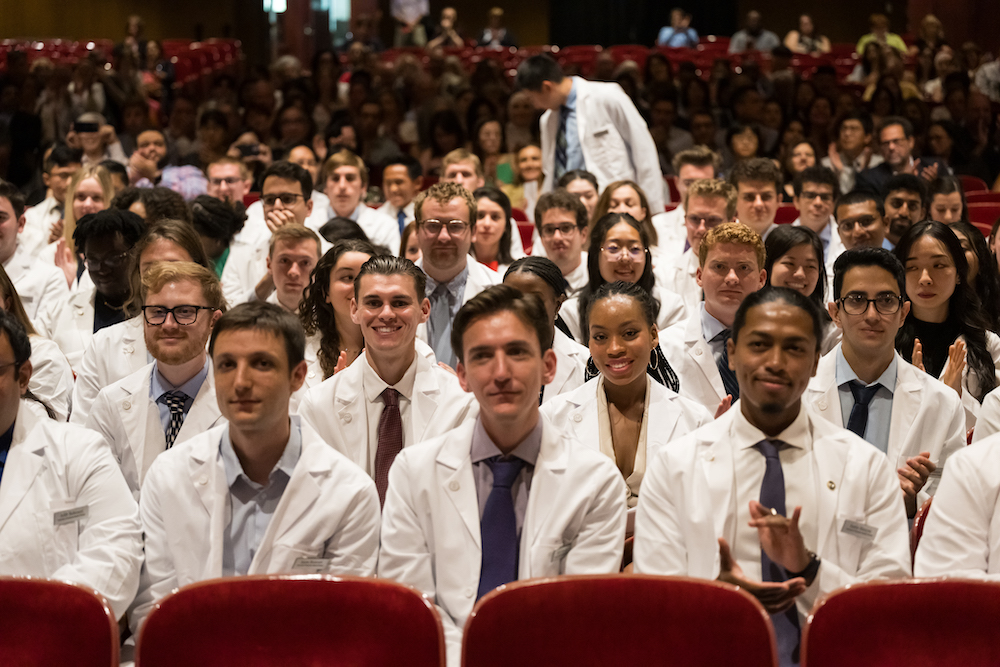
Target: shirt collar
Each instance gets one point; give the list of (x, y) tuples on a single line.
[(846, 374), (484, 448), (456, 286), (570, 102), (159, 385), (357, 212), (710, 327), (798, 434), (374, 385), (286, 464)]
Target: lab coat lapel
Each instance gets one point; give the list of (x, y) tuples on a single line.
[(831, 463), (700, 354), (25, 463), (209, 477), (204, 412), (349, 406), (457, 482), (143, 430), (546, 485), (715, 483), (906, 404), (425, 401)]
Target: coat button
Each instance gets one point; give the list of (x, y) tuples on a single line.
[(126, 405), (347, 419), (454, 486), (578, 418), (468, 592), (830, 485), (821, 405), (312, 374), (697, 352), (203, 481), (129, 349)]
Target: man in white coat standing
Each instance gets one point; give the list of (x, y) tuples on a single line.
[(263, 493), (172, 399), (505, 496), (768, 496), (591, 125), (65, 510), (390, 397), (865, 386)]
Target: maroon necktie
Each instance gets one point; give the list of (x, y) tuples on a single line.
[(390, 440)]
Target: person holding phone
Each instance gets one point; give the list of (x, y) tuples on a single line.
[(98, 141)]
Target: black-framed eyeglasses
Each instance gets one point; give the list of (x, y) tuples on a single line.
[(286, 198), (111, 262), (857, 304), (433, 227), (565, 228), (184, 315)]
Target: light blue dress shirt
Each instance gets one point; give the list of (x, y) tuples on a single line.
[(159, 386), (574, 150), (880, 408), (251, 504), (440, 341), (710, 328)]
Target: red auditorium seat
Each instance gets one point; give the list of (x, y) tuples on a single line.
[(53, 623), (786, 214), (973, 184), (618, 620), (675, 194), (980, 197), (260, 621), (917, 531), (908, 623), (984, 213), (636, 52)]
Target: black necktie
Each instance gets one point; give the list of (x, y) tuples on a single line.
[(863, 395), (175, 400), (728, 374)]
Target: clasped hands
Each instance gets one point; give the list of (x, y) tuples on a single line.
[(782, 542)]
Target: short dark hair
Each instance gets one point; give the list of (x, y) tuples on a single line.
[(650, 307), (756, 169), (859, 197), (213, 116), (163, 204), (544, 268), (879, 257), (18, 338), (860, 115), (577, 175), (9, 192), (216, 219), (816, 174), (897, 120), (125, 198), (390, 265), (536, 70), (909, 183), (779, 295), (697, 156), (498, 298), (115, 168), (263, 316), (62, 155), (339, 228), (412, 164), (290, 171), (108, 223), (560, 199)]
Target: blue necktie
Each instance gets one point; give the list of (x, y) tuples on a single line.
[(772, 495), (728, 374), (561, 143), (439, 325), (858, 421), (401, 219), (499, 528)]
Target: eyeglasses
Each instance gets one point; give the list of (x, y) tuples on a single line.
[(698, 221), (848, 225), (232, 180), (615, 251), (286, 198), (825, 197), (433, 227), (111, 262), (566, 228), (157, 315), (857, 304)]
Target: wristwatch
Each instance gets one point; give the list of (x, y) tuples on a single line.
[(812, 569)]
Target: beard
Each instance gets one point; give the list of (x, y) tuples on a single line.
[(174, 355)]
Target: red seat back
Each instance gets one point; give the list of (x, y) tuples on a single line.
[(259, 621), (984, 213), (618, 620), (973, 184), (917, 531), (53, 623), (786, 214), (908, 623), (979, 196), (675, 194)]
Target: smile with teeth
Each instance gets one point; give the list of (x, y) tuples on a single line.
[(619, 364), (386, 329)]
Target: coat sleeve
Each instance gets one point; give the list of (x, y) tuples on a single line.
[(954, 443), (659, 542)]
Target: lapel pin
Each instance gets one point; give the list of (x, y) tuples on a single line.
[(830, 485)]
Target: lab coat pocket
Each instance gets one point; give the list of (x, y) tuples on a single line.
[(853, 536), (299, 559), (609, 146), (548, 558), (58, 534)]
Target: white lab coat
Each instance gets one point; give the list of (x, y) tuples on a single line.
[(969, 383), (688, 503), (328, 510), (53, 467), (571, 367), (690, 355), (51, 377), (114, 352), (70, 324), (36, 283), (926, 415), (671, 230), (962, 535), (130, 421), (380, 228), (988, 422), (245, 266), (338, 409), (672, 311), (480, 277), (431, 536), (38, 221), (614, 138), (680, 277)]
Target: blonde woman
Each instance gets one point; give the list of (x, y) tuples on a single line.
[(89, 191)]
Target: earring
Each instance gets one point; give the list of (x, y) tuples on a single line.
[(654, 360)]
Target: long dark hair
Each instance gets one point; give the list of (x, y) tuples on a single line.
[(965, 311), (987, 281), (314, 311), (782, 240), (595, 280)]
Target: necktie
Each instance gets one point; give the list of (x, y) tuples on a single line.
[(728, 375), (175, 400), (772, 495), (561, 143), (439, 325), (863, 395), (390, 440), (499, 528), (401, 219)]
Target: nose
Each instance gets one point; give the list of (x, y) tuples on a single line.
[(386, 312), (731, 277), (871, 313), (501, 369), (758, 202), (615, 346), (241, 378), (800, 272), (925, 278)]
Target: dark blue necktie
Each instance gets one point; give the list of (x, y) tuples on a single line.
[(858, 421), (728, 374), (772, 495), (401, 219), (562, 144), (499, 528)]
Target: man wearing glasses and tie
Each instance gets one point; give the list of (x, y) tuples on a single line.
[(446, 217)]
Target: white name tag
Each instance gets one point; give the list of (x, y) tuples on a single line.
[(561, 552), (62, 517), (305, 565), (859, 530)]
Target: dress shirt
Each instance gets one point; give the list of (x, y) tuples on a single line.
[(393, 212), (159, 387), (710, 328), (578, 277), (574, 151), (800, 486), (456, 290), (527, 450), (5, 441), (824, 235), (880, 407), (252, 504), (373, 386)]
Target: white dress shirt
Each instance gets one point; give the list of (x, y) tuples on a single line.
[(374, 385)]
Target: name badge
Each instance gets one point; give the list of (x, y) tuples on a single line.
[(62, 517), (304, 565), (560, 553), (862, 531)]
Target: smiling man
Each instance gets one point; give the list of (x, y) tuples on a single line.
[(402, 179), (505, 496), (861, 222), (390, 397), (769, 497), (172, 399), (561, 222), (757, 182)]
